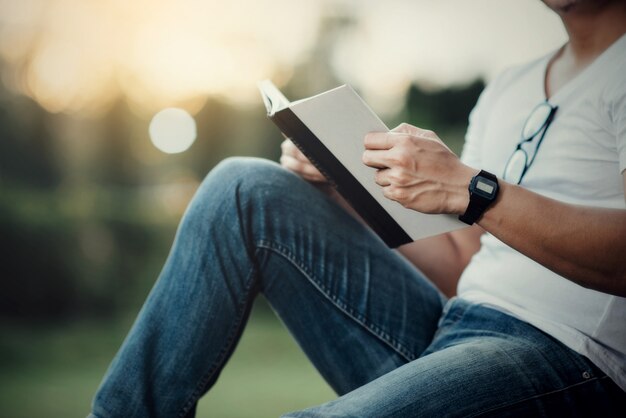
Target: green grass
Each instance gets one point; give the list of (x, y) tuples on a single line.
[(53, 371)]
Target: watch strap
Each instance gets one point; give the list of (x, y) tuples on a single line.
[(478, 204)]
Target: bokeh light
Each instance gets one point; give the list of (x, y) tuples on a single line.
[(74, 56), (172, 130)]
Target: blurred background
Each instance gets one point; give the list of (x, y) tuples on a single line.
[(112, 112)]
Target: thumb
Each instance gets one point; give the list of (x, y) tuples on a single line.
[(405, 128)]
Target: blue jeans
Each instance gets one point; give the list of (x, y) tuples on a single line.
[(377, 330)]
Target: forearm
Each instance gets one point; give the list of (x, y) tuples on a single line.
[(584, 244)]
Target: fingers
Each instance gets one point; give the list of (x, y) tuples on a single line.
[(387, 140), (382, 177), (394, 177), (405, 128), (304, 170), (381, 140), (377, 158), (403, 133), (294, 160), (289, 148), (397, 194), (419, 133)]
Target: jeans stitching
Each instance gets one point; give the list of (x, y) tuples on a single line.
[(342, 306), (537, 396), (200, 386)]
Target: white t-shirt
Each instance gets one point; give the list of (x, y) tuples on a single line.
[(580, 161)]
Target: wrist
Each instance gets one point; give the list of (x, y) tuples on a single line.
[(462, 195), (483, 191)]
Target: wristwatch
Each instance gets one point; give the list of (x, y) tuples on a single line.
[(483, 190)]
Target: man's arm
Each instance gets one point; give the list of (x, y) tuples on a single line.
[(583, 244), (443, 258)]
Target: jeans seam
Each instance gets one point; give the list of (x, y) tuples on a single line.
[(195, 395), (342, 306), (537, 396)]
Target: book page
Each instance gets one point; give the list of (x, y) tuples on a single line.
[(340, 119), (273, 98)]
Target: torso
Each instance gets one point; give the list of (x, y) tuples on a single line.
[(562, 69), (581, 162)]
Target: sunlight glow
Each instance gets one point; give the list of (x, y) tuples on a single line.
[(75, 56), (439, 43), (172, 130)]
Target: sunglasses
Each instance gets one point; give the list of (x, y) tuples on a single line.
[(536, 126)]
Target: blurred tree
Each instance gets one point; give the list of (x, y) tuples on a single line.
[(115, 165), (81, 226), (443, 108), (316, 74), (78, 249), (36, 279), (444, 111), (27, 152)]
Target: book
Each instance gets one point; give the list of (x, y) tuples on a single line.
[(329, 129)]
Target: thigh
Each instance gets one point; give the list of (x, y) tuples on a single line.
[(349, 343), (484, 372), (357, 308)]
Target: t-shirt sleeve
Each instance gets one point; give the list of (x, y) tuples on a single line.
[(619, 117), (615, 107)]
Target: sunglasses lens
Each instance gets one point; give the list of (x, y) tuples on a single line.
[(536, 120), (515, 167)]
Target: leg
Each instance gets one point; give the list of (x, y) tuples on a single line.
[(484, 363), (358, 309)]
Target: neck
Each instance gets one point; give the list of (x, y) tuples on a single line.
[(593, 28)]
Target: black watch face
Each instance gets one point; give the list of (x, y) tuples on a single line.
[(485, 187)]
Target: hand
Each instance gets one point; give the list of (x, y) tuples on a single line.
[(294, 160), (416, 169)]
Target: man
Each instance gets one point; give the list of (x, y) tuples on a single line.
[(538, 328)]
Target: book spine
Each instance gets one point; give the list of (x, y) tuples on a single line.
[(292, 134), (349, 187), (314, 161)]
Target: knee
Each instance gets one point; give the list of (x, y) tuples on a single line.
[(243, 169), (248, 176)]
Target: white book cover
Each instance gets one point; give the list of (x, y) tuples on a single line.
[(340, 119)]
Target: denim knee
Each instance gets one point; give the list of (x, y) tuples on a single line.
[(246, 167), (250, 177)]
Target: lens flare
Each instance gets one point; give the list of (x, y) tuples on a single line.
[(172, 130)]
